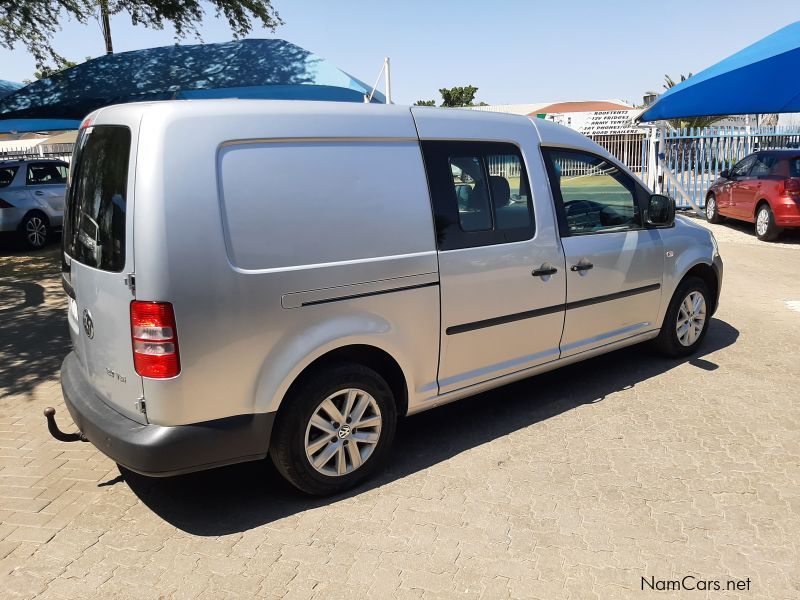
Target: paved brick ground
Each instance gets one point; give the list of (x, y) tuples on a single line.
[(574, 484)]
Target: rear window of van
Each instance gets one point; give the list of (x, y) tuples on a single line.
[(94, 231)]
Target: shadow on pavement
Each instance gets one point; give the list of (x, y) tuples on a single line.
[(788, 236), (241, 497), (33, 337)]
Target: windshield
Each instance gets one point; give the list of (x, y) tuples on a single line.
[(94, 232)]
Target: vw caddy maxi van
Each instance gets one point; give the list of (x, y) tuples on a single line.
[(286, 279)]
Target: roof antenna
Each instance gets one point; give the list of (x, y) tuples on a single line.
[(385, 71)]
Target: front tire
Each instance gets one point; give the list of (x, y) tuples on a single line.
[(334, 430), (687, 319), (766, 229), (712, 210), (34, 230)]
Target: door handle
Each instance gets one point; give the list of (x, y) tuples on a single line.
[(584, 266), (39, 193), (544, 271)]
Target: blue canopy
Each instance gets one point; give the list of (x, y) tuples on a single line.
[(27, 125), (762, 78), (6, 87), (241, 69)]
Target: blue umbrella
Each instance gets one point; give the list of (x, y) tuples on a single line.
[(242, 69), (761, 78), (7, 87)]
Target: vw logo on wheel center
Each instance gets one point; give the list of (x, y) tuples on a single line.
[(344, 431), (88, 324)]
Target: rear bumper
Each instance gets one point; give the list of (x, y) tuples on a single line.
[(157, 450), (10, 218), (787, 213)]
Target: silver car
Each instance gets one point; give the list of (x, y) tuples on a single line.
[(32, 198), (287, 279)]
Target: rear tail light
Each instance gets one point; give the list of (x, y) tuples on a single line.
[(155, 339), (792, 186), (4, 204)]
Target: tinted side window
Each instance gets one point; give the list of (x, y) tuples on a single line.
[(480, 193), (741, 168), (794, 167), (7, 175), (96, 200), (472, 192), (591, 194), (45, 173), (763, 165)]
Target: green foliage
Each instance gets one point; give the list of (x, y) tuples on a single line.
[(47, 71), (32, 23), (458, 96), (670, 83), (454, 97)]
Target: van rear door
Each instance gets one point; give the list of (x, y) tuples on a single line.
[(98, 248)]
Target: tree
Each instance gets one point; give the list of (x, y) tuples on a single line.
[(454, 97), (458, 96), (32, 23), (689, 121), (48, 71)]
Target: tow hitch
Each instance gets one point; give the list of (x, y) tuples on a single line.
[(50, 415)]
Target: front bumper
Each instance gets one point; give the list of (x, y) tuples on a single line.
[(157, 450), (717, 266)]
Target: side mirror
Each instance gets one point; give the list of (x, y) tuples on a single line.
[(725, 174), (660, 211)]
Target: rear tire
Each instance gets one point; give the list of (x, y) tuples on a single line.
[(766, 229), (322, 453), (687, 319), (34, 230), (712, 210)]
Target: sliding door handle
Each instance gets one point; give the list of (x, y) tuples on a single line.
[(544, 271), (583, 266)]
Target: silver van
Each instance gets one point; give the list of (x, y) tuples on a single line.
[(254, 278)]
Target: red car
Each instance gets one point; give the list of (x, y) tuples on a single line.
[(762, 188)]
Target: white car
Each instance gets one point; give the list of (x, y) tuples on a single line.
[(32, 198)]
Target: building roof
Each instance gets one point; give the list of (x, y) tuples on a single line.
[(583, 106)]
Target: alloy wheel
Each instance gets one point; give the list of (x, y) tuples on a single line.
[(762, 221), (36, 232), (343, 432), (711, 208), (691, 318)]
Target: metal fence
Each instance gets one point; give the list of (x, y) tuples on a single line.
[(629, 148), (683, 163), (57, 151), (504, 165), (697, 156)]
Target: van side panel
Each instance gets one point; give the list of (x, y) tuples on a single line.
[(297, 204), (251, 312)]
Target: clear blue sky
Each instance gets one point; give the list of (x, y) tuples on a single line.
[(513, 51)]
